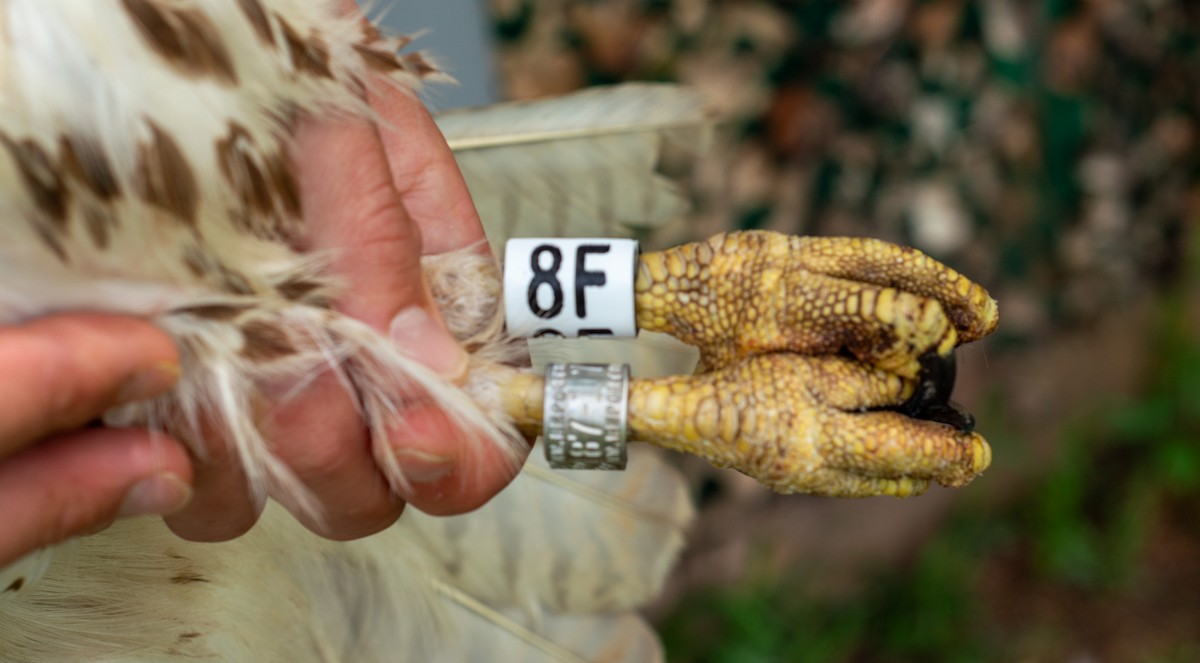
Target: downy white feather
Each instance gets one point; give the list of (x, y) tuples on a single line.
[(587, 164), (511, 635), (137, 593), (83, 76), (574, 554), (549, 557), (549, 571)]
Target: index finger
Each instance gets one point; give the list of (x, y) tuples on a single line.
[(63, 371), (424, 172)]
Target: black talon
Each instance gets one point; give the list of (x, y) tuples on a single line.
[(931, 401), (949, 413)]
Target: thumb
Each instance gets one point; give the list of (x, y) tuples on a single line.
[(421, 326)]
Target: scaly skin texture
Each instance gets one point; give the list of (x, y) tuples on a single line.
[(791, 422), (748, 293), (774, 398)]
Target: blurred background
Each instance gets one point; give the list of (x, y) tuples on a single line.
[(1045, 149)]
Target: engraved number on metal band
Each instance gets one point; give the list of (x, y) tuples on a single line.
[(585, 416)]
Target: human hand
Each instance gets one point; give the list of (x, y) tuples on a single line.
[(376, 197), (59, 478)]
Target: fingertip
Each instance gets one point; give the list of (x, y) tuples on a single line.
[(132, 337), (414, 328), (220, 510), (197, 524), (222, 506), (160, 475), (151, 379), (448, 471), (78, 483), (65, 370), (162, 493)]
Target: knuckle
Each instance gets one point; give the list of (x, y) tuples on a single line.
[(326, 456), (319, 432), (57, 390), (69, 514), (362, 519), (211, 528), (383, 219)]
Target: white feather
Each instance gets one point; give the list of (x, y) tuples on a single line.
[(489, 635), (570, 542), (137, 593), (548, 572), (85, 74), (587, 164), (25, 571)]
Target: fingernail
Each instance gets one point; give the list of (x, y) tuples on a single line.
[(423, 467), (429, 342), (151, 381), (159, 494)]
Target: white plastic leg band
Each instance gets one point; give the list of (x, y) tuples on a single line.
[(570, 287), (585, 415)]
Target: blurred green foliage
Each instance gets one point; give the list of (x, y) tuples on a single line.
[(928, 613), (1046, 149), (1088, 520), (1078, 535)]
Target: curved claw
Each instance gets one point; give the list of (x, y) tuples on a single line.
[(931, 398)]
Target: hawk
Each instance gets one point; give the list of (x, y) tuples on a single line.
[(145, 169)]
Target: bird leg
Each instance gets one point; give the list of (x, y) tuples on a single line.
[(749, 293), (808, 347)]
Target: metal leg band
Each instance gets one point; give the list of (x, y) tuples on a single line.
[(585, 416)]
